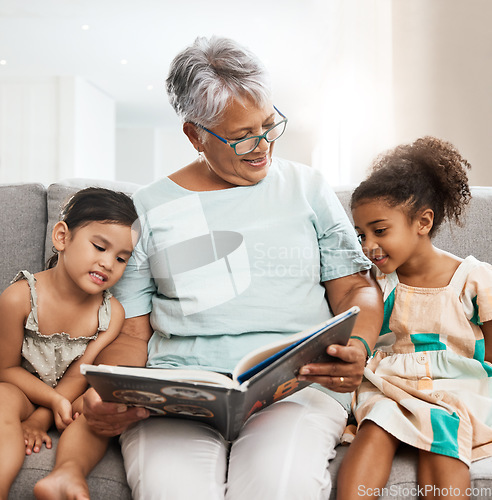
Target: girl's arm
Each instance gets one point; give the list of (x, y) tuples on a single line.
[(73, 383), (130, 348), (487, 335), (14, 309)]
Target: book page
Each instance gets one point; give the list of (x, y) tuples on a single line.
[(178, 375), (278, 348), (258, 355)]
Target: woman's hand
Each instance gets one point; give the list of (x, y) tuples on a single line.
[(341, 375), (34, 435), (110, 419)]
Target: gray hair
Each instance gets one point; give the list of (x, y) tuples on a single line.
[(204, 77)]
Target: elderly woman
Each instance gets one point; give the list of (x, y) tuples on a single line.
[(293, 261)]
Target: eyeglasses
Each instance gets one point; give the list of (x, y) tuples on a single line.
[(248, 144)]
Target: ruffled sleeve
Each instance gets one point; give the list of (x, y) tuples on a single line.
[(105, 312)]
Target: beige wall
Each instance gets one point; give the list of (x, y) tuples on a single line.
[(442, 70)]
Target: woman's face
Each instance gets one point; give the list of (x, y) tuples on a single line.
[(241, 119)]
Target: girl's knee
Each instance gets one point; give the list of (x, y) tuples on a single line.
[(14, 401)]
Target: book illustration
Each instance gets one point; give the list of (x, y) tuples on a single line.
[(263, 377), (137, 397), (189, 410), (178, 391)]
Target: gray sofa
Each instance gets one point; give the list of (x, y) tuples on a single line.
[(30, 211)]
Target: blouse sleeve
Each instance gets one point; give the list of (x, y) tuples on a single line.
[(340, 251), (477, 294), (136, 288)]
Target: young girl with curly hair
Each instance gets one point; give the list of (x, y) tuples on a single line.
[(429, 382)]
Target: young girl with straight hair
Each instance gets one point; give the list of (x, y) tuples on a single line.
[(429, 382), (53, 321)]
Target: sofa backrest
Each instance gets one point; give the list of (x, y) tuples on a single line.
[(23, 229), (30, 211), (471, 239)]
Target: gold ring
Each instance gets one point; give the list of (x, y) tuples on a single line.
[(341, 380)]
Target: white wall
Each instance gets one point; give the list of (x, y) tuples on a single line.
[(394, 70), (145, 154), (55, 127), (135, 154), (442, 70), (355, 119), (28, 129), (94, 132)]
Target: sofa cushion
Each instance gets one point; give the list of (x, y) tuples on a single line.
[(22, 232), (402, 483), (107, 481), (472, 238)]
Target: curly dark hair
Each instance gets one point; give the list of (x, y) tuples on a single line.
[(428, 173)]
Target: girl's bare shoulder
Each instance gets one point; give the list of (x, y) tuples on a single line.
[(116, 307), (16, 297)]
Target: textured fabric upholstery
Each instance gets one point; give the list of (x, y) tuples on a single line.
[(30, 211), (106, 482), (402, 483), (23, 229)]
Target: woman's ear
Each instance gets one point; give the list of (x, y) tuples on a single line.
[(426, 221), (59, 235), (190, 130)]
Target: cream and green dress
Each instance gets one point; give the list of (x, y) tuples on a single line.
[(49, 356), (428, 384)]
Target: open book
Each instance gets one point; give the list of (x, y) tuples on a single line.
[(263, 376)]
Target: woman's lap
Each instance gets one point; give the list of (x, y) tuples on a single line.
[(282, 452)]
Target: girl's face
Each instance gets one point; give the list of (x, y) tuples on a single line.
[(95, 255), (240, 120), (387, 235)]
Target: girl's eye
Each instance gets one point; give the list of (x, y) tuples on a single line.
[(361, 237), (380, 231), (121, 260), (97, 247)]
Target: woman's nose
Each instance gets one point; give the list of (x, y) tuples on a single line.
[(263, 145)]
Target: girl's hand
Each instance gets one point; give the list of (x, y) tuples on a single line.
[(77, 407), (62, 412), (34, 436)]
